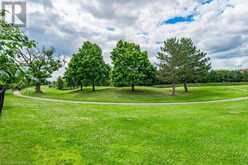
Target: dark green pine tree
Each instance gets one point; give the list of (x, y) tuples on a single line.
[(170, 62), (195, 64)]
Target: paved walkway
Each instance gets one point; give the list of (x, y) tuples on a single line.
[(18, 93)]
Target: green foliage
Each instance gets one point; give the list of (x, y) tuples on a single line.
[(170, 57), (71, 74), (20, 80), (87, 67), (227, 76), (12, 40), (39, 65), (195, 64), (181, 61), (60, 83), (131, 66)]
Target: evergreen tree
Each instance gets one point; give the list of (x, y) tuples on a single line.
[(195, 63), (170, 62)]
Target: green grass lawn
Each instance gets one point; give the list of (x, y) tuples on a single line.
[(144, 94), (40, 132)]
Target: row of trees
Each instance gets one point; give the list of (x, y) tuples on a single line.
[(131, 67), (22, 64), (179, 61), (226, 76)]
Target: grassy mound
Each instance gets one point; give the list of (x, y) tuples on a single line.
[(144, 94)]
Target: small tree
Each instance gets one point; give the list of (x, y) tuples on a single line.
[(131, 66), (60, 83)]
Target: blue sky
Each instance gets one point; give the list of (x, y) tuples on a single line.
[(218, 27), (178, 19)]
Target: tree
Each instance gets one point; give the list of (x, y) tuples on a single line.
[(39, 64), (131, 66), (194, 63), (87, 66), (60, 83), (71, 74), (12, 39), (170, 62), (181, 61)]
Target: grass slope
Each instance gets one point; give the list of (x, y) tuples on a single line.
[(33, 132), (145, 94)]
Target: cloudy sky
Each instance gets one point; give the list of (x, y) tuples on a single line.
[(219, 27)]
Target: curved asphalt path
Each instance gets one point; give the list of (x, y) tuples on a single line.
[(18, 93)]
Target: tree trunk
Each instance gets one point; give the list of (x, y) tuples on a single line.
[(133, 89), (93, 86), (173, 89), (81, 87), (37, 88), (185, 86), (2, 93)]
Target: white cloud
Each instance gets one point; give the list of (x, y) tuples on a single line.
[(219, 27)]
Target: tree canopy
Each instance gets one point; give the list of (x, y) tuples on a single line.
[(71, 73), (12, 40), (195, 63), (87, 66), (39, 64), (181, 61), (131, 66), (170, 65)]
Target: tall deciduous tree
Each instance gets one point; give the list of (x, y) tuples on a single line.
[(131, 66), (87, 66)]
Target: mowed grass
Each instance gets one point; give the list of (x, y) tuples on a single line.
[(144, 94), (37, 132)]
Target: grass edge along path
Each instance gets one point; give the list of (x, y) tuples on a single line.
[(18, 93)]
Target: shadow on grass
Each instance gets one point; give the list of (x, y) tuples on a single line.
[(89, 90), (146, 91)]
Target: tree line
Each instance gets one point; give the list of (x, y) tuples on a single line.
[(226, 76), (179, 61)]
